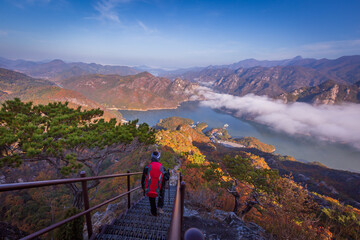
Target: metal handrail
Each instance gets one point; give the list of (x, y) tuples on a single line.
[(83, 180), (56, 225), (176, 224), (25, 185)]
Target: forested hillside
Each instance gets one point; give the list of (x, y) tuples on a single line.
[(142, 91), (17, 85), (257, 186), (241, 180)]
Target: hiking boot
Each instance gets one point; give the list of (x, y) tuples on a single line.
[(152, 214), (160, 211)]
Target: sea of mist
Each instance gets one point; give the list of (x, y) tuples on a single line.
[(335, 123)]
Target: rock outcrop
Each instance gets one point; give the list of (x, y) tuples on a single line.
[(222, 225), (268, 81), (329, 92)]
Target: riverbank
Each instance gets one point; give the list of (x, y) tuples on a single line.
[(142, 110), (152, 109), (231, 144)]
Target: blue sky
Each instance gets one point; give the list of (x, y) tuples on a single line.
[(174, 34)]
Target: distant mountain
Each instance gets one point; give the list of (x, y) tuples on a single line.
[(14, 81), (68, 73), (343, 70), (10, 64), (154, 71), (141, 91), (57, 70), (204, 76), (346, 68), (262, 77), (193, 74), (329, 92), (40, 91), (268, 81), (249, 63), (173, 74)]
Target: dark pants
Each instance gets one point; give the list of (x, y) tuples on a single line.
[(160, 201)]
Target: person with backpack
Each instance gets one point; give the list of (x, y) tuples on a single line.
[(153, 183)]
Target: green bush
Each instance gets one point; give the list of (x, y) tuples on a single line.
[(72, 230)]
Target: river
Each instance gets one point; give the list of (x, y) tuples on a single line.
[(306, 149)]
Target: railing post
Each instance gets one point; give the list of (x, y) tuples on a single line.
[(86, 204), (169, 190), (182, 199), (128, 185)]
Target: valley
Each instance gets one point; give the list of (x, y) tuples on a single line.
[(302, 148), (245, 111), (252, 107)]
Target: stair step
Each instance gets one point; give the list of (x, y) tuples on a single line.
[(138, 223), (126, 230), (143, 221), (153, 235)]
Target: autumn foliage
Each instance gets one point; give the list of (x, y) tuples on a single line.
[(282, 207)]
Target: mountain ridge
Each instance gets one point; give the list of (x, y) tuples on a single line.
[(55, 69), (329, 92), (268, 81), (142, 91), (345, 69), (40, 91)]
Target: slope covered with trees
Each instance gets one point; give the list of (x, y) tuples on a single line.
[(54, 141), (141, 91), (250, 183), (17, 85), (240, 181), (67, 139)]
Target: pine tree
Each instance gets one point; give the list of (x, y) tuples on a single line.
[(68, 139)]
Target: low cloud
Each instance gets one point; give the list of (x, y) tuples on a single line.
[(338, 123)]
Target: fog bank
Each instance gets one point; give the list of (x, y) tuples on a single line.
[(340, 123)]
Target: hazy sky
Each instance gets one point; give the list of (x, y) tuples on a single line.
[(177, 33)]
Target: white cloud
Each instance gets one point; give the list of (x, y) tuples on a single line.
[(146, 28), (107, 9), (336, 123)]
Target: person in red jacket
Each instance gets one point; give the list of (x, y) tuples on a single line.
[(153, 182)]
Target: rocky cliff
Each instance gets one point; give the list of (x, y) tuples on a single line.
[(329, 92), (268, 81)]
